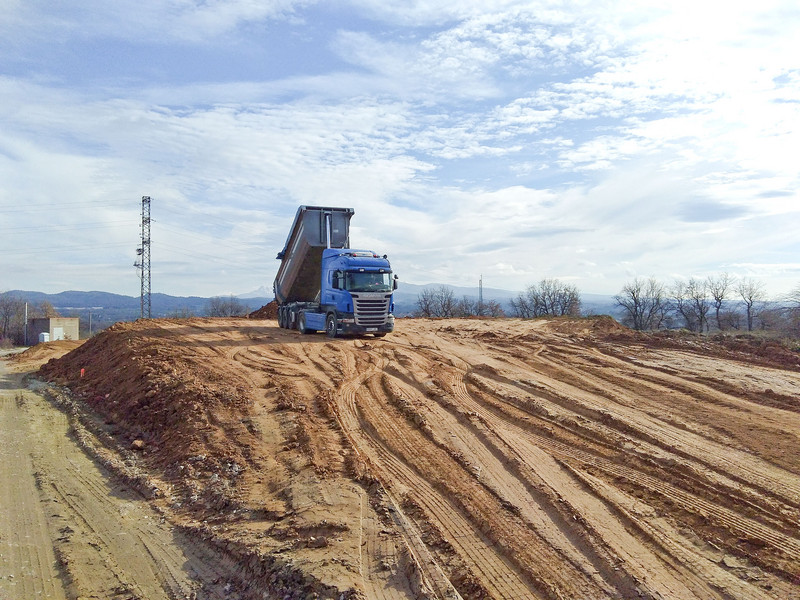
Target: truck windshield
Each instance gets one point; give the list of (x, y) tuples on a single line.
[(365, 281)]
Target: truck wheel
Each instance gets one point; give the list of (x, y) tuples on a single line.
[(280, 318), (331, 325), (301, 324)]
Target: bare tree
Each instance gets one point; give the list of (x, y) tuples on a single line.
[(752, 293), (441, 302), (690, 301), (425, 302), (521, 307), (719, 288), (437, 302), (698, 297), (12, 317), (682, 305), (493, 308), (466, 307), (644, 304), (42, 310), (225, 307), (732, 319), (549, 297), (445, 302), (794, 309)]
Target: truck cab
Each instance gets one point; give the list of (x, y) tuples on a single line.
[(356, 292)]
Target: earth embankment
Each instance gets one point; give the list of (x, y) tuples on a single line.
[(459, 458)]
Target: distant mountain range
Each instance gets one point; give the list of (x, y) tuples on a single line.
[(107, 308)]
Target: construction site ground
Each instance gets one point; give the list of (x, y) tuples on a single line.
[(459, 458)]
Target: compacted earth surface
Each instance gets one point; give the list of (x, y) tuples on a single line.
[(477, 458)]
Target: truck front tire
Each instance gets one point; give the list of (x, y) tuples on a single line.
[(331, 325)]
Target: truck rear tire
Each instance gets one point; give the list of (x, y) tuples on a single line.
[(331, 325)]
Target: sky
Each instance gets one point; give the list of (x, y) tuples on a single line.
[(592, 141)]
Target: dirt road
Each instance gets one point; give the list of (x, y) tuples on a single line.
[(463, 458), (69, 530)]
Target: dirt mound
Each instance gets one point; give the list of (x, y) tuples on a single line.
[(745, 347), (268, 311), (597, 325), (178, 411), (503, 458), (43, 352)]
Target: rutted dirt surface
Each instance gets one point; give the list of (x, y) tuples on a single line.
[(453, 458), (68, 529)]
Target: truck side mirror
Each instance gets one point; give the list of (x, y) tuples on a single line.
[(394, 283), (336, 280)]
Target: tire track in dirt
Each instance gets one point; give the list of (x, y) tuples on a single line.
[(27, 560), (728, 518), (753, 485), (612, 409), (639, 560), (499, 459), (580, 460), (346, 412), (648, 390), (529, 551), (93, 537), (495, 466)]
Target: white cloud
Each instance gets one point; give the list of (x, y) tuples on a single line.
[(158, 21), (514, 139)]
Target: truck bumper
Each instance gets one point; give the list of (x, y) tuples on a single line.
[(347, 326)]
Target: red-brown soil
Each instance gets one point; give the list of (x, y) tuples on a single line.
[(565, 458), (268, 311)]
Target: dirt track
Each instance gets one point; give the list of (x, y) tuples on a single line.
[(480, 458), (70, 530)]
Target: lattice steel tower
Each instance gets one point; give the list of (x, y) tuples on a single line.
[(143, 263), (480, 296)]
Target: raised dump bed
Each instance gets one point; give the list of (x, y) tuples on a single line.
[(300, 271)]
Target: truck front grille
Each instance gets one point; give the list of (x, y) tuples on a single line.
[(371, 310)]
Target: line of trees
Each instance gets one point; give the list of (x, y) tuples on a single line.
[(549, 297), (720, 302), (220, 306), (716, 303), (441, 302)]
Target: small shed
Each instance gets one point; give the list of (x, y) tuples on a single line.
[(57, 328)]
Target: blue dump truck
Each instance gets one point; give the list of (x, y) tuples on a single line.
[(322, 284)]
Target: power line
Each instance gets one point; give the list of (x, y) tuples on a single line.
[(59, 249), (58, 206), (211, 239), (84, 225)]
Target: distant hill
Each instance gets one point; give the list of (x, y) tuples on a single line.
[(107, 308)]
